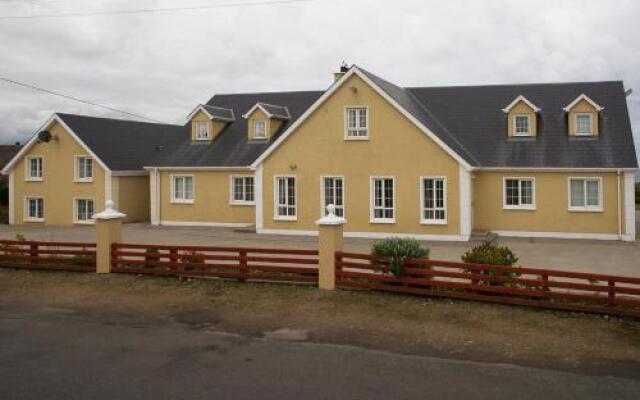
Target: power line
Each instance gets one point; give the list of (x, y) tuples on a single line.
[(66, 96), (154, 10)]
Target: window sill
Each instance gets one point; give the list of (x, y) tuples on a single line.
[(173, 201), (382, 221), (76, 180), (433, 222), (356, 138), (34, 220), (519, 208), (285, 218), (242, 203), (33, 180), (90, 222), (523, 135), (593, 210)]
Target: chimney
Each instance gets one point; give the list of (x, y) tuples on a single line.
[(344, 68)]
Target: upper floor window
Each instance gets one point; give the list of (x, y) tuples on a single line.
[(584, 126), (585, 194), (382, 199), (434, 202), (521, 125), (260, 129), (333, 193), (182, 189), (357, 121), (84, 169), (34, 169), (285, 198), (242, 191), (519, 193), (202, 130)]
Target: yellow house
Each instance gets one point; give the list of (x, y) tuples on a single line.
[(435, 163)]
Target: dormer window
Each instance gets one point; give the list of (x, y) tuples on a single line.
[(583, 116), (521, 117), (265, 120), (521, 125), (208, 121), (260, 129), (202, 130), (584, 125)]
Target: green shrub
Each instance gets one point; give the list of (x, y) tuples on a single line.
[(492, 254), (396, 252)]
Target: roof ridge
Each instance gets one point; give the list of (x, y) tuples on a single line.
[(272, 92), (514, 84), (114, 119)]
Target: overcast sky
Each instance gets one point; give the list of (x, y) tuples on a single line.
[(161, 65)]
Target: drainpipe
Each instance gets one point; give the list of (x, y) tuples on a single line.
[(619, 205)]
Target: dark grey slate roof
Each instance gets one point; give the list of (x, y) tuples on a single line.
[(220, 113), (280, 112)]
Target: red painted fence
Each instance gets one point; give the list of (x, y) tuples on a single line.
[(283, 265), (564, 290), (63, 256)]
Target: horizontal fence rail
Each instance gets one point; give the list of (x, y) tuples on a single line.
[(243, 263), (62, 256), (563, 290)]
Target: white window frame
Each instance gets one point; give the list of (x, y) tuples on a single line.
[(276, 216), (599, 207), (347, 136), (372, 218), (323, 205), (423, 220), (27, 171), (576, 116), (198, 124), (255, 128), (175, 200), (76, 169), (531, 206), (232, 190), (76, 220), (26, 216), (515, 125)]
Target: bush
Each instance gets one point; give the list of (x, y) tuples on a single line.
[(397, 251), (492, 254)]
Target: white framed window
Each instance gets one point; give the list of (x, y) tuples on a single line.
[(519, 193), (522, 125), (34, 209), (584, 124), (433, 200), (382, 199), (242, 190), (83, 210), (260, 129), (332, 192), (202, 130), (83, 169), (182, 189), (585, 194), (285, 198), (357, 123), (34, 168)]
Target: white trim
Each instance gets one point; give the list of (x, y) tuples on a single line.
[(245, 168), (466, 201), (277, 217), (154, 192), (369, 235), (525, 207), (34, 139), (558, 235), (12, 193), (174, 200), (76, 169), (197, 137), (25, 214), (519, 99), (267, 113), (629, 207), (553, 169), (76, 221), (258, 193), (591, 124), (599, 208), (514, 131), (232, 200), (346, 122), (108, 187), (421, 208), (129, 173), (579, 99), (27, 168), (372, 219), (205, 224), (330, 91), (322, 196), (201, 107), (255, 129)]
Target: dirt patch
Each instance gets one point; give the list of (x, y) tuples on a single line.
[(452, 329)]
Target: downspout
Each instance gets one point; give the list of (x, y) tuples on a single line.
[(619, 205)]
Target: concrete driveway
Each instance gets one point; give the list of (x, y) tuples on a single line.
[(607, 257)]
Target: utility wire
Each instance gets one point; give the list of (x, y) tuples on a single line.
[(51, 92), (153, 10)]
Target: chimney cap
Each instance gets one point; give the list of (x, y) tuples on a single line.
[(344, 67)]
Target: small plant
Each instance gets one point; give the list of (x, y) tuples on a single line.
[(20, 237), (490, 253), (396, 251)]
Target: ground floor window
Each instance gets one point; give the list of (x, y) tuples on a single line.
[(333, 193), (182, 189), (84, 210), (34, 209), (585, 194), (519, 193), (285, 197), (434, 208), (382, 199), (242, 191)]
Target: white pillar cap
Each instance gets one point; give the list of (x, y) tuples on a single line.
[(109, 212), (331, 218)]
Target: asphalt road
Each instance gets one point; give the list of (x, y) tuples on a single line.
[(52, 353)]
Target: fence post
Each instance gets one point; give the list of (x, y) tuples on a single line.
[(108, 231), (330, 231)]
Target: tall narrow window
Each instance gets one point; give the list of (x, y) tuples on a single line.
[(84, 169), (34, 168), (382, 200), (521, 125), (333, 193), (260, 129), (285, 198), (434, 206), (202, 130), (583, 125), (242, 190), (182, 189), (34, 209), (519, 193), (84, 210), (357, 121), (585, 194)]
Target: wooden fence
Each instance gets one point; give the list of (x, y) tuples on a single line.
[(260, 264), (564, 290), (63, 256)]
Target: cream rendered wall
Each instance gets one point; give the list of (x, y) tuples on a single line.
[(552, 203), (396, 147), (519, 109), (132, 194), (58, 187), (212, 199), (583, 107)]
